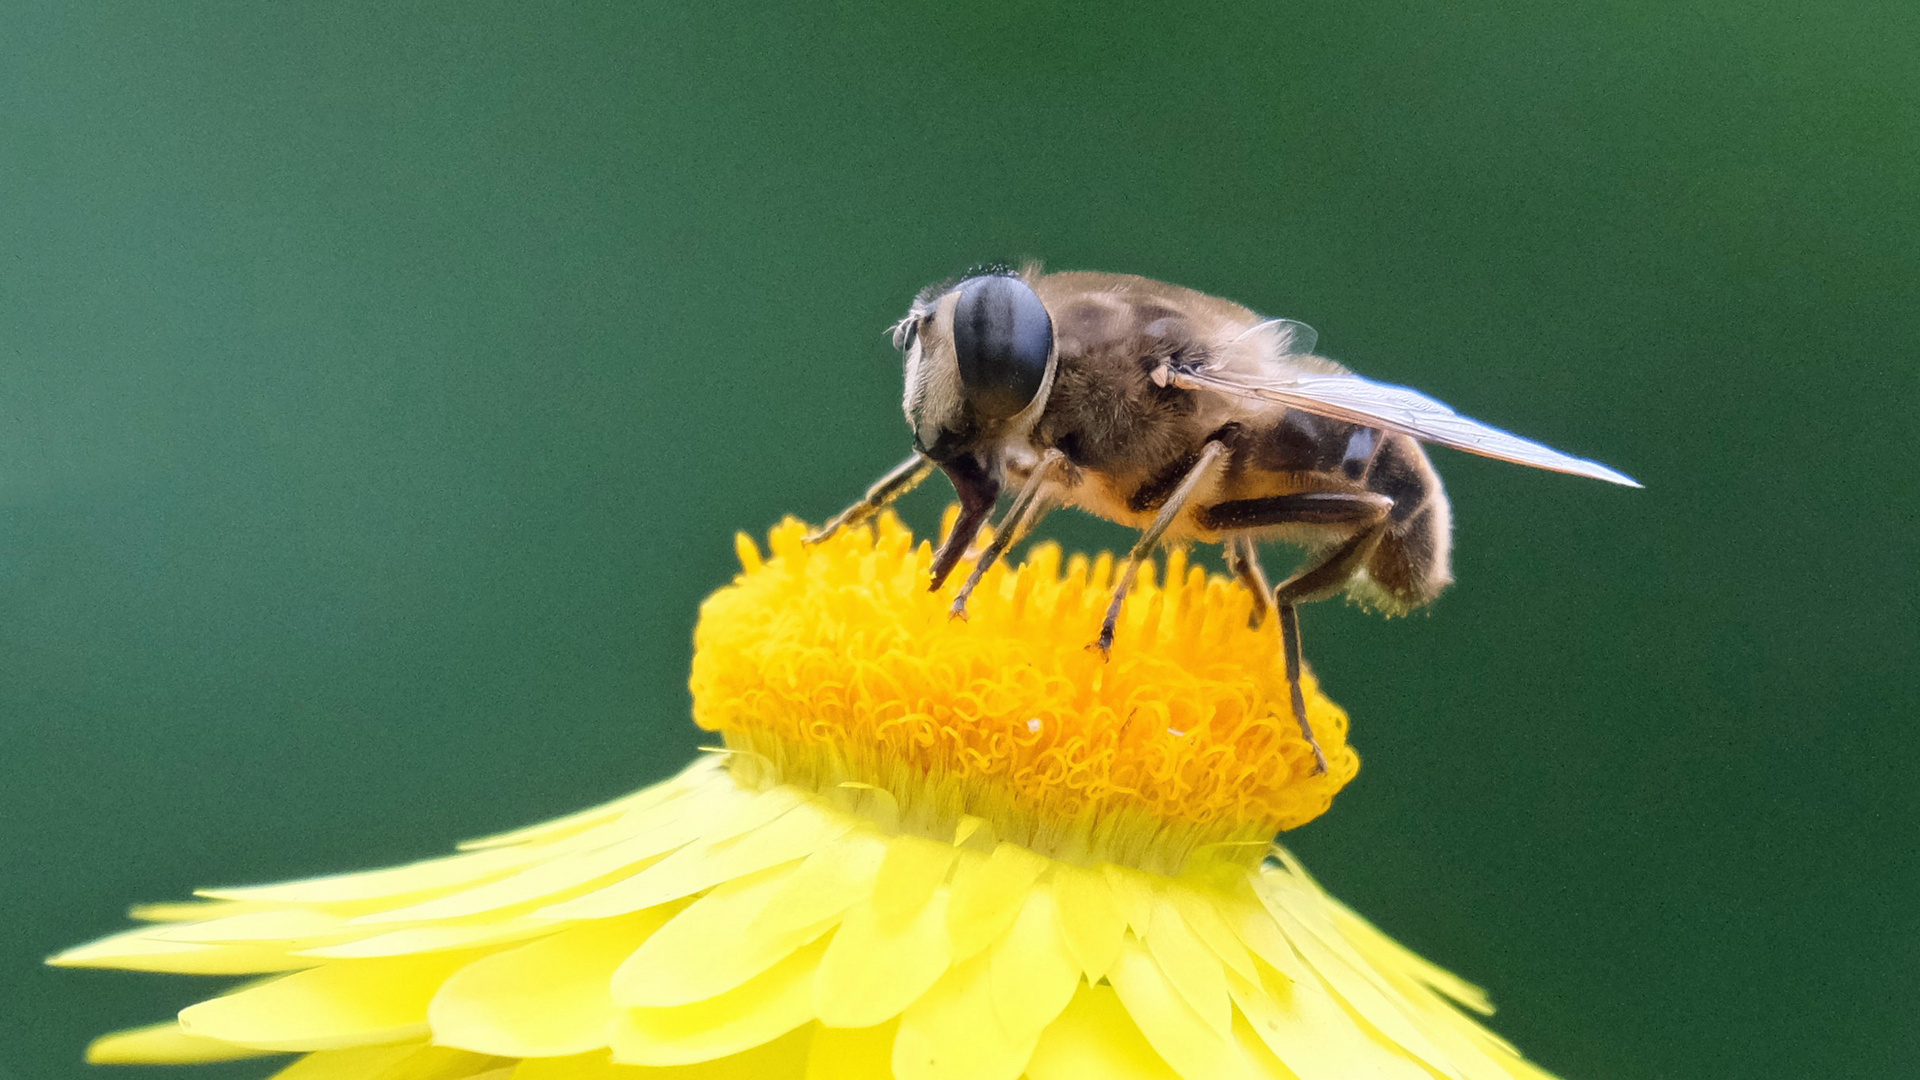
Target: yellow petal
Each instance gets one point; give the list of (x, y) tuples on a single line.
[(1260, 1062), (1134, 892), (793, 835), (549, 880), (1390, 955), (191, 910), (1033, 973), (1190, 966), (825, 884), (749, 809), (284, 926), (712, 945), (591, 1066), (969, 827), (765, 1008), (407, 1061), (427, 875), (163, 1044), (1262, 935), (1201, 908), (1477, 1051), (987, 894), (953, 1033), (597, 1065), (784, 1058), (874, 968), (1095, 1039), (852, 1053), (631, 843), (1312, 1035), (914, 866), (1351, 978), (543, 999), (693, 776), (1091, 922), (541, 883), (358, 1063), (445, 1063), (1338, 1046), (341, 1004), (138, 950), (422, 939), (1181, 1036)]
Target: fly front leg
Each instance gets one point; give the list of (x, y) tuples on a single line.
[(1028, 508), (1364, 513), (978, 490), (899, 480), (1210, 455)]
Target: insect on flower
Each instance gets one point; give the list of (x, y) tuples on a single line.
[(853, 889), (1188, 417)]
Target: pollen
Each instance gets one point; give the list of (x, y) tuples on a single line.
[(832, 666)]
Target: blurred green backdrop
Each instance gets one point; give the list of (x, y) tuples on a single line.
[(380, 386)]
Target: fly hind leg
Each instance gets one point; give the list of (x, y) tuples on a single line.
[(1323, 579), (1365, 514)]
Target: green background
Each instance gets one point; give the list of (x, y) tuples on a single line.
[(381, 385)]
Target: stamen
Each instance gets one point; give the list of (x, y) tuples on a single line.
[(833, 664)]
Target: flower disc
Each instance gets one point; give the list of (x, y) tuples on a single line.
[(833, 663)]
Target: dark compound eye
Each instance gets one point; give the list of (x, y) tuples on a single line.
[(1002, 337)]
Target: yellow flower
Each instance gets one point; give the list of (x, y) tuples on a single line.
[(931, 849)]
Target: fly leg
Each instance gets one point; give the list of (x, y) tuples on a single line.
[(1028, 508), (1315, 582), (899, 480), (1210, 455), (1243, 560), (1364, 513)]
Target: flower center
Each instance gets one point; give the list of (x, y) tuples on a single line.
[(833, 667)]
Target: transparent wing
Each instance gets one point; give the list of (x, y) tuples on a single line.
[(1397, 408), (1291, 338)]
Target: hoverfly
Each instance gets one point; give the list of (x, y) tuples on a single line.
[(1188, 417)]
